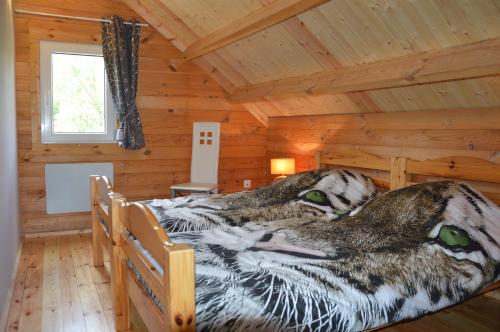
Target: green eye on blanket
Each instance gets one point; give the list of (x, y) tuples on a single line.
[(454, 236), (317, 196)]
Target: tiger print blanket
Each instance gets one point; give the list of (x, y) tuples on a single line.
[(405, 253), (328, 193)]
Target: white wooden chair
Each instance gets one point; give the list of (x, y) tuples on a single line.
[(204, 160)]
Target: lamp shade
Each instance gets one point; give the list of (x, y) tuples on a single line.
[(283, 166)]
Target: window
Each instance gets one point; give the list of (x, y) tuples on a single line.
[(75, 100)]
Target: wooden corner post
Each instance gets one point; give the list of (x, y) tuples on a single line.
[(317, 160), (97, 257), (399, 176), (118, 269), (179, 280)]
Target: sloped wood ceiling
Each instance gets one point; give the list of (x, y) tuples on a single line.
[(333, 35)]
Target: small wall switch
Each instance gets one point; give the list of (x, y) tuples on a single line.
[(247, 184)]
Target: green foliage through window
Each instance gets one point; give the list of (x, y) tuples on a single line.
[(78, 94)]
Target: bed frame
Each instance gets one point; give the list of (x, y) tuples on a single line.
[(176, 287), (402, 170), (101, 193), (105, 237)]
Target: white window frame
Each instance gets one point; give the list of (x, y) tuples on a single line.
[(47, 48)]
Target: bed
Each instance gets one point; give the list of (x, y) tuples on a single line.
[(166, 263), (261, 205), (106, 236)]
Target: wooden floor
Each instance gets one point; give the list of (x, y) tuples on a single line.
[(57, 289)]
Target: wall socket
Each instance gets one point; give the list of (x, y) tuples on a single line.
[(247, 184)]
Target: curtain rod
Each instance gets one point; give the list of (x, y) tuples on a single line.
[(79, 18)]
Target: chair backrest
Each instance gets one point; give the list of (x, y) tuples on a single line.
[(205, 153)]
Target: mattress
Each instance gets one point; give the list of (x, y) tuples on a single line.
[(406, 253)]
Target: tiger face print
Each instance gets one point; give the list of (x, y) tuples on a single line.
[(406, 253), (328, 193)]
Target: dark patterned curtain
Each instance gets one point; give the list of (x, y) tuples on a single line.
[(120, 48)]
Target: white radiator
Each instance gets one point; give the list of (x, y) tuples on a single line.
[(67, 186)]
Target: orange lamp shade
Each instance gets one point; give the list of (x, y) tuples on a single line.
[(283, 166)]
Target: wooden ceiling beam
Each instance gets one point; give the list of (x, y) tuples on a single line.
[(325, 58), (248, 25), (455, 63), (157, 15), (167, 23)]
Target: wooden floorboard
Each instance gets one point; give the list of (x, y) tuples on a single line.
[(73, 319), (18, 293), (57, 289), (31, 306)]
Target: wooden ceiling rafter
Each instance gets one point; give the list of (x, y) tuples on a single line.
[(177, 32), (322, 40), (455, 63), (157, 14), (324, 57), (258, 20), (213, 63)]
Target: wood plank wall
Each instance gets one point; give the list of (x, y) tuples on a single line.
[(172, 94), (416, 135)]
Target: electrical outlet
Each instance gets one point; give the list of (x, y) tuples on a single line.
[(247, 184)]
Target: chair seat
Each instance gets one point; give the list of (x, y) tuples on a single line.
[(195, 186)]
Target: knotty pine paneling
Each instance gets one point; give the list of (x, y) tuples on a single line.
[(415, 135), (172, 94)]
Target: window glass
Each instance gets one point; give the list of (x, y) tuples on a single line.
[(76, 104), (78, 94)]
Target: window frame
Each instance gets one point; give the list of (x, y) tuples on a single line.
[(47, 48)]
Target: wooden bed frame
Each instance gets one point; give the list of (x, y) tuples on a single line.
[(101, 193), (176, 292), (402, 169), (176, 287), (107, 238)]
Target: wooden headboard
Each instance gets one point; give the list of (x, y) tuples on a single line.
[(483, 174)]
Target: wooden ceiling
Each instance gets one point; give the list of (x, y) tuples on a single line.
[(299, 57)]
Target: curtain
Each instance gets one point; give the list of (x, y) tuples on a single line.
[(120, 48)]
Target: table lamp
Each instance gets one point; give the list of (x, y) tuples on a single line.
[(282, 167)]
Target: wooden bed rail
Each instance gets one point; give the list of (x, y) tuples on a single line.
[(463, 168), (102, 200), (401, 168), (118, 267), (101, 193), (102, 188), (174, 286)]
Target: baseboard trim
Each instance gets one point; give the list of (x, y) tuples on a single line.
[(57, 233), (8, 298)]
